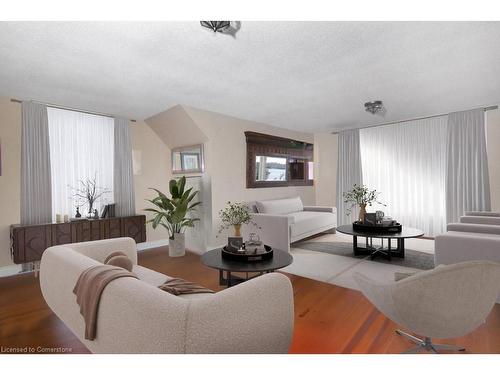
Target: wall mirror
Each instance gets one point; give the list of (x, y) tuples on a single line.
[(188, 159), (275, 161)]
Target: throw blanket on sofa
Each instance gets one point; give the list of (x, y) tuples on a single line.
[(88, 290), (179, 286)]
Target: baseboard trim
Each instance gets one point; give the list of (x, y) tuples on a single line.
[(151, 245)]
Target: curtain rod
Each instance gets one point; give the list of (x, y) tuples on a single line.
[(488, 108), (69, 109)]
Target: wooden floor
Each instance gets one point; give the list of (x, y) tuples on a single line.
[(328, 319)]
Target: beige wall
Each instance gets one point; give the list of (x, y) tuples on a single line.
[(325, 168), (225, 160), (152, 170), (493, 146), (10, 185), (155, 171)]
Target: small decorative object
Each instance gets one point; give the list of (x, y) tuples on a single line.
[(379, 216), (360, 196), (235, 243), (254, 240), (247, 256), (108, 211), (78, 214), (370, 219), (96, 214), (58, 218), (172, 214), (234, 215), (66, 218), (89, 192)]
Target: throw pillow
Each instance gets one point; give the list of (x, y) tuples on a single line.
[(119, 259)]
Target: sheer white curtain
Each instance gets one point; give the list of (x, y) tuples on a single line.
[(406, 162), (348, 172), (81, 148), (467, 177)]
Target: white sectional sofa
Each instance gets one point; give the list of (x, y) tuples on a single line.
[(466, 241), (135, 316), (284, 221)]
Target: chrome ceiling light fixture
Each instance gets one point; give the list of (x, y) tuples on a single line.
[(216, 26), (375, 106)]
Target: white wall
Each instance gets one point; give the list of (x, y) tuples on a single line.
[(155, 172), (325, 168), (225, 160)]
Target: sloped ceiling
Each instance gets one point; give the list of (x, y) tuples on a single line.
[(307, 76), (176, 128)]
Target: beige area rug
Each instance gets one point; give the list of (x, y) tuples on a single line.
[(326, 258)]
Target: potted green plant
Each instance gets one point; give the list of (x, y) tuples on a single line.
[(235, 215), (172, 214), (360, 196)]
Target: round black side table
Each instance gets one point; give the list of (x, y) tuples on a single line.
[(213, 259)]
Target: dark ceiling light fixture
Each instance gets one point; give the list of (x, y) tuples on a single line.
[(374, 106), (216, 26)]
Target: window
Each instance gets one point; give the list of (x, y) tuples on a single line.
[(270, 169), (405, 162), (81, 148)]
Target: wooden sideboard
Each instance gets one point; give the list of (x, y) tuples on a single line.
[(28, 242)]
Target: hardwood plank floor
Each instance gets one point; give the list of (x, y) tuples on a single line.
[(328, 318)]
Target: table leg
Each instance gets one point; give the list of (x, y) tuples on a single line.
[(355, 244)]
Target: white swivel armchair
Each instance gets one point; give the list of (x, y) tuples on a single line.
[(448, 301)]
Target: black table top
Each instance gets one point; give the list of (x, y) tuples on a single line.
[(213, 259), (406, 232)]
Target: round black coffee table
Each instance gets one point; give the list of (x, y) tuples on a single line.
[(213, 259), (385, 252)]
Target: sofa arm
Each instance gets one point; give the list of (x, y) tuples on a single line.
[(482, 213), (488, 220), (99, 250), (274, 230), (473, 228), (253, 317), (320, 209), (460, 247)]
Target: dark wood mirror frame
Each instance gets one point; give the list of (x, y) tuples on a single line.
[(259, 144)]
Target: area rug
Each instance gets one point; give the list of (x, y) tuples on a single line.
[(333, 262), (413, 258)]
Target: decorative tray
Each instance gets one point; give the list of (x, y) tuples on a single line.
[(377, 228), (247, 255)]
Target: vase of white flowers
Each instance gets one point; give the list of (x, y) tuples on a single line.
[(360, 196), (235, 215)]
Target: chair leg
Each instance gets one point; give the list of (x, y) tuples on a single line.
[(427, 344), (448, 347), (410, 337)]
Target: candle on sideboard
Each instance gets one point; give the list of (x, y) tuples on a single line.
[(58, 218), (66, 218)]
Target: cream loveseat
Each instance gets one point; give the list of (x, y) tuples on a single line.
[(284, 221), (137, 317)]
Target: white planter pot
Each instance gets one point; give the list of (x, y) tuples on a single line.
[(177, 246)]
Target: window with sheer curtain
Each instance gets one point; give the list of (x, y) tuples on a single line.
[(81, 148), (406, 163)]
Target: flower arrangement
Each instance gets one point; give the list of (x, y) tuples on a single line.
[(360, 196), (234, 215)]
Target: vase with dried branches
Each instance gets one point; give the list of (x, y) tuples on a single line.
[(88, 193)]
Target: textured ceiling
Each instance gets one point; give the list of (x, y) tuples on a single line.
[(308, 76)]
